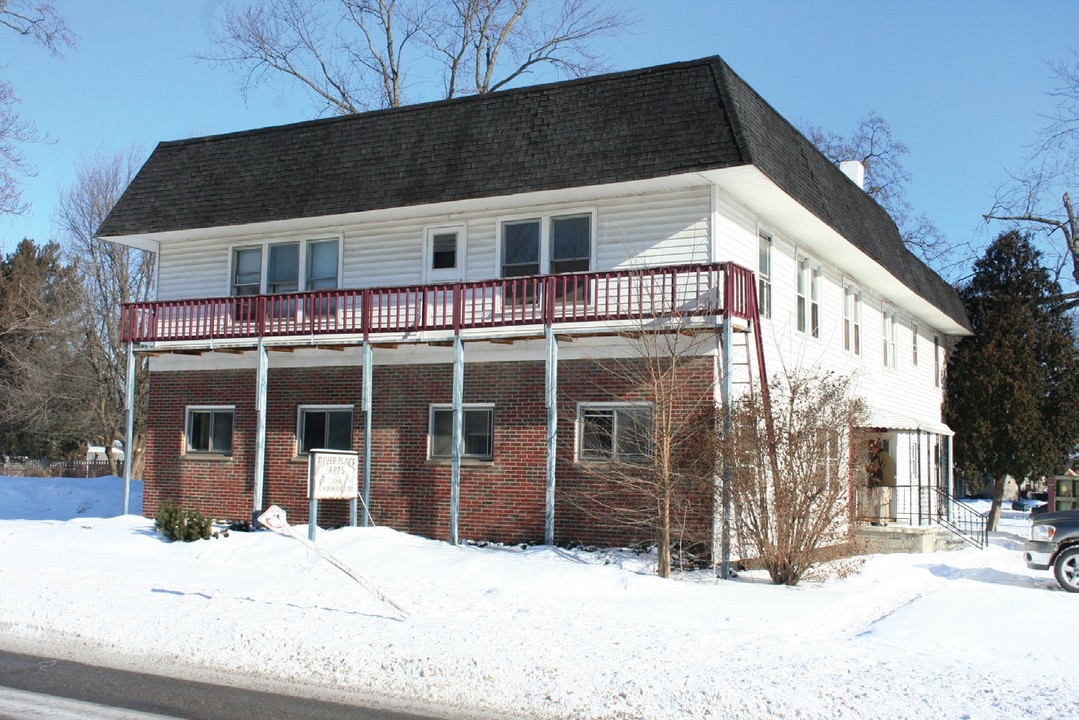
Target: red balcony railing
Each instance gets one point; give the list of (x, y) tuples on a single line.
[(684, 291)]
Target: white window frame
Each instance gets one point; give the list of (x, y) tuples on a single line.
[(852, 319), (764, 275), (545, 245), (888, 324), (455, 273), (614, 456), (303, 259), (936, 361), (914, 344), (808, 290), (213, 409), (489, 408), (301, 410)]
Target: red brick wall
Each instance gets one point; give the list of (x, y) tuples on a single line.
[(502, 500)]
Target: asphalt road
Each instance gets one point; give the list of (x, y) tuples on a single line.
[(40, 688)]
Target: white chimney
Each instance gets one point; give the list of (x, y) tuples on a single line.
[(855, 170)]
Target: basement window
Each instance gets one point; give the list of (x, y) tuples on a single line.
[(614, 433), (477, 432), (209, 430), (324, 427)]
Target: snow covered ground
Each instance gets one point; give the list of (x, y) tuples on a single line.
[(538, 632)]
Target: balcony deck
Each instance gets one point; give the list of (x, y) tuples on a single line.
[(491, 307)]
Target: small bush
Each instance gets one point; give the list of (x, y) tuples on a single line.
[(178, 524)]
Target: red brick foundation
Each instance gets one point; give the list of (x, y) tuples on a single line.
[(502, 500)]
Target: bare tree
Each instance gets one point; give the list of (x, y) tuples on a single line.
[(792, 512), (110, 275), (644, 459), (886, 179), (44, 26), (355, 55), (1029, 198)]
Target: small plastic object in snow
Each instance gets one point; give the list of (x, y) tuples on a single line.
[(274, 518)]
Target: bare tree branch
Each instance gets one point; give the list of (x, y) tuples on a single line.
[(1026, 199), (362, 54), (886, 180), (110, 275), (45, 27), (41, 23)]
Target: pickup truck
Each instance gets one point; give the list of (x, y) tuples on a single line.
[(1054, 542)]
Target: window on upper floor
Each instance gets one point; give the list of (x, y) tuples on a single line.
[(914, 344), (247, 271), (444, 253), (276, 267), (888, 324), (477, 432), (321, 265), (209, 430), (614, 432), (323, 427), (936, 360), (808, 320), (553, 244), (852, 320), (764, 275)]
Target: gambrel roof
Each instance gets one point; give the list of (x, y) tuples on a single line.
[(657, 122)]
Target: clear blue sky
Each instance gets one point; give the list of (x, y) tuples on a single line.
[(962, 83)]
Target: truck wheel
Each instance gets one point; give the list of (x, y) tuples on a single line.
[(1066, 568)]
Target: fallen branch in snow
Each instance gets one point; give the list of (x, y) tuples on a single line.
[(274, 519)]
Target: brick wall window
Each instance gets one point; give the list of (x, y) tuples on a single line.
[(614, 433), (477, 432), (326, 427), (209, 430)]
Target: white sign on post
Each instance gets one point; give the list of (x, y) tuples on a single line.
[(333, 475)]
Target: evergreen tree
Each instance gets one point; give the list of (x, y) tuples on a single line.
[(1013, 387), (45, 390)]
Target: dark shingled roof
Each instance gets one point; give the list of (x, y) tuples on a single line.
[(649, 123)]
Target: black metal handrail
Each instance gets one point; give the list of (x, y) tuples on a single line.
[(922, 505)]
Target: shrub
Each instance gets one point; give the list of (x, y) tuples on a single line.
[(179, 524)]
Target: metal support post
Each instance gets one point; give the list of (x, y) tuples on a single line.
[(727, 399), (458, 433), (262, 383), (551, 401), (129, 431), (368, 368)]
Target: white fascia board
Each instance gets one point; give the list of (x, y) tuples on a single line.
[(750, 188), (141, 242)]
